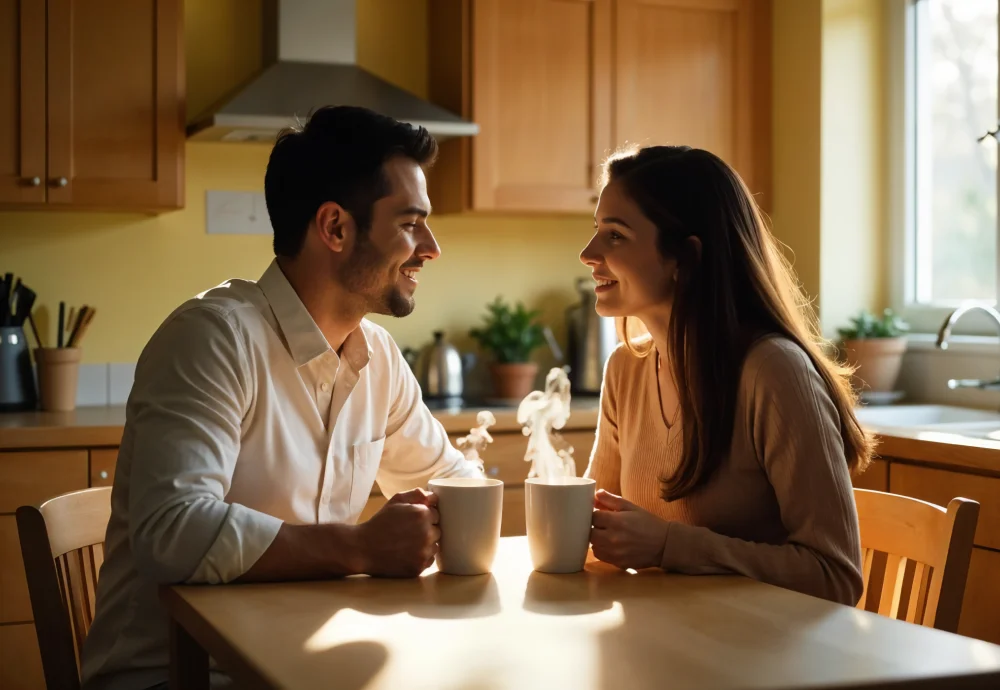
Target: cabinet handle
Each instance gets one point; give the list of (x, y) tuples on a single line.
[(104, 474), (33, 181), (60, 182)]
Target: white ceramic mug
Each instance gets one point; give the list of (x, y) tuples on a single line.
[(470, 510), (558, 514)]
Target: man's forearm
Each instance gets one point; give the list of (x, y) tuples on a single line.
[(308, 552)]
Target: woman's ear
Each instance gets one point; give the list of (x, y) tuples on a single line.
[(691, 259), (694, 244)]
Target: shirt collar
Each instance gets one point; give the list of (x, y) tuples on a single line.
[(303, 338)]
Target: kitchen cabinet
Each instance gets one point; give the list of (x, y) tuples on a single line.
[(875, 478), (93, 116), (20, 660), (556, 85)]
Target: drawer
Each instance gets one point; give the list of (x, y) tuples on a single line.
[(102, 466), (981, 605), (876, 477), (14, 603), (30, 478), (20, 660), (940, 486), (504, 458)]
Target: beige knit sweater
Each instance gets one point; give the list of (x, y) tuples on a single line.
[(780, 507)]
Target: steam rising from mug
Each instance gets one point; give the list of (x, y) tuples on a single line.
[(540, 414)]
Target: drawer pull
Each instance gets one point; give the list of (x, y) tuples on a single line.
[(104, 474)]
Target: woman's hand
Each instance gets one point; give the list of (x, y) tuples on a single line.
[(625, 535)]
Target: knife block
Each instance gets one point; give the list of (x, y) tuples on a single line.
[(17, 378)]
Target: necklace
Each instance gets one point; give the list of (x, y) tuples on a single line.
[(659, 399)]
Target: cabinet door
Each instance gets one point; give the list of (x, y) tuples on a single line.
[(20, 660), (696, 73), (22, 101), (541, 89), (115, 103), (102, 466)]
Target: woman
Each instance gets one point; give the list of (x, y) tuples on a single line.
[(726, 436)]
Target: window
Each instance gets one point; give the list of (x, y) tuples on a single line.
[(953, 100)]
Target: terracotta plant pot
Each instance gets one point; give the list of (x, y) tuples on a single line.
[(513, 381), (877, 361)]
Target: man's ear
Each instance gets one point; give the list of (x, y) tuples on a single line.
[(334, 225)]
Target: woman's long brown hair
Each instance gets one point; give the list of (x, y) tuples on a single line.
[(741, 287)]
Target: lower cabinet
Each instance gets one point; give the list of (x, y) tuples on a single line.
[(981, 607), (980, 616), (20, 661)]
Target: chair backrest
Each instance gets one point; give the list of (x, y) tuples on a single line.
[(62, 544), (916, 556)]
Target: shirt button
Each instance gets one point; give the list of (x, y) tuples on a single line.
[(324, 386)]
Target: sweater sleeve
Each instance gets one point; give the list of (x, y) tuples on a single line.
[(795, 433), (605, 460)]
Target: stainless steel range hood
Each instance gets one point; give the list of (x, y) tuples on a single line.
[(309, 47)]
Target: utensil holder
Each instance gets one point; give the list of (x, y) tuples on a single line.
[(17, 378), (58, 373)]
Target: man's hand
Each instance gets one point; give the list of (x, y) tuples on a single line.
[(401, 539), (418, 497), (625, 535)]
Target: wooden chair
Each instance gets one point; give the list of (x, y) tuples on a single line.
[(62, 543), (925, 550)]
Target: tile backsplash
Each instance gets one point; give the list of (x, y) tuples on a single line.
[(924, 376), (104, 383)]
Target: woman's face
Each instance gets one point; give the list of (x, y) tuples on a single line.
[(631, 277)]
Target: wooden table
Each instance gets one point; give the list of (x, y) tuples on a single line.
[(602, 628)]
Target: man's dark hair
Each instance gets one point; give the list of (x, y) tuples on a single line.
[(337, 156)]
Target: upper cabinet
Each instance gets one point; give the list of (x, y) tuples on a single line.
[(556, 85), (94, 108)]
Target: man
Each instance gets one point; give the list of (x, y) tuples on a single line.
[(263, 412)]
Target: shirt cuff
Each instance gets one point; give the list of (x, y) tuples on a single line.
[(681, 550), (244, 537)]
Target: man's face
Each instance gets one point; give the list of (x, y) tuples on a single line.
[(384, 263)]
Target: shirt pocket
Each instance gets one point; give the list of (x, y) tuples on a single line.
[(366, 459)]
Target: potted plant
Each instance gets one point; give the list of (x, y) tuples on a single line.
[(510, 334), (875, 347)]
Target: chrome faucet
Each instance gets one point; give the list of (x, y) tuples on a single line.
[(945, 333)]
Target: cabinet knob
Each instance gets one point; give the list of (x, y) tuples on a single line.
[(33, 181), (493, 471), (60, 182), (104, 474), (594, 199)]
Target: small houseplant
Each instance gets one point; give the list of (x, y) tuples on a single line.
[(875, 347), (510, 334)]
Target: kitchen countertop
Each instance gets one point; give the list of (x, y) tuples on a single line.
[(940, 449), (94, 427)]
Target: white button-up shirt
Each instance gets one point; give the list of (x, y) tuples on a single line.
[(241, 417)]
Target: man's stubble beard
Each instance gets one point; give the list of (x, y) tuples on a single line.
[(368, 278)]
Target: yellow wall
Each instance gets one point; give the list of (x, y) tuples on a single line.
[(796, 121), (853, 194), (829, 153), (135, 268)]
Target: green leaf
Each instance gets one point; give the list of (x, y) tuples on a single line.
[(510, 333)]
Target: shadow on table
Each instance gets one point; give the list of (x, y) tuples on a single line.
[(357, 662), (699, 635), (435, 595)]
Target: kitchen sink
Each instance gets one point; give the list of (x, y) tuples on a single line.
[(963, 421), (924, 415)]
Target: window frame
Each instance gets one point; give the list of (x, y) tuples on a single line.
[(903, 196)]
